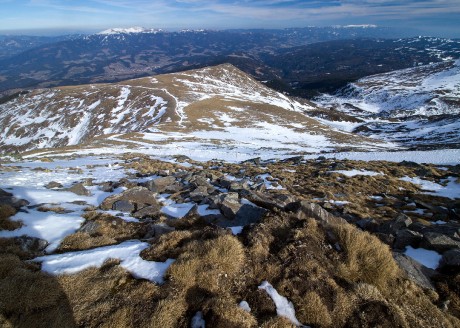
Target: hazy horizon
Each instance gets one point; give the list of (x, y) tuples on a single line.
[(53, 17)]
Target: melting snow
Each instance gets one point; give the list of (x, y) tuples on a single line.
[(352, 173), (127, 252), (245, 306), (236, 230), (451, 190), (428, 258), (284, 308), (198, 321)]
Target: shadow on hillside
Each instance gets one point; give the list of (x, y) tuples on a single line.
[(29, 297)]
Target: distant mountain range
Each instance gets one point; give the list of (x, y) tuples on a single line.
[(301, 61)]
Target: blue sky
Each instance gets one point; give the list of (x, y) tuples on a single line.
[(435, 17)]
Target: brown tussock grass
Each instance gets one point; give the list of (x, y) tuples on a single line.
[(418, 308), (313, 311), (169, 313), (278, 322), (449, 290), (109, 230), (167, 246), (209, 264), (224, 312), (6, 211), (8, 246), (24, 291), (31, 298), (109, 296), (367, 259)]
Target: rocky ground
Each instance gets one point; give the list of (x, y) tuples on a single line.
[(337, 238)]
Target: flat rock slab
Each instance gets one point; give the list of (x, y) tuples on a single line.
[(140, 197)]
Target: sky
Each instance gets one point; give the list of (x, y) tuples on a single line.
[(433, 17)]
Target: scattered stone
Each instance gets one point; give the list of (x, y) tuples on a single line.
[(406, 237), (164, 173), (303, 210), (160, 184), (255, 161), (402, 221), (296, 160), (123, 206), (107, 186), (432, 208), (410, 164), (79, 189), (416, 272), (224, 182), (269, 201), (148, 211), (90, 227), (7, 198), (199, 194), (31, 244), (439, 242), (239, 185), (368, 225), (230, 205), (54, 185), (4, 193), (139, 196), (182, 158), (174, 188), (88, 182), (157, 230), (451, 258), (386, 238)]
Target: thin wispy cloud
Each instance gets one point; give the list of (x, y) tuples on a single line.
[(229, 13)]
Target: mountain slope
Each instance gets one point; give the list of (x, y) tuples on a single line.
[(416, 106), (215, 107)]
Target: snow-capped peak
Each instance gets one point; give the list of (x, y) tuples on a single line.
[(356, 26), (129, 30)]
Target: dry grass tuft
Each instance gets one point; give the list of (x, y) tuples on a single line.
[(11, 247), (167, 246), (210, 264), (108, 295), (278, 322), (6, 223), (367, 259), (169, 313), (313, 311), (83, 240), (224, 312), (449, 289), (31, 298), (104, 230)]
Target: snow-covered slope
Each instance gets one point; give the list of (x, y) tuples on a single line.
[(136, 29), (420, 105), (213, 107)]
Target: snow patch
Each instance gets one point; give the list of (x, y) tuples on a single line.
[(284, 308), (127, 252), (428, 258)]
